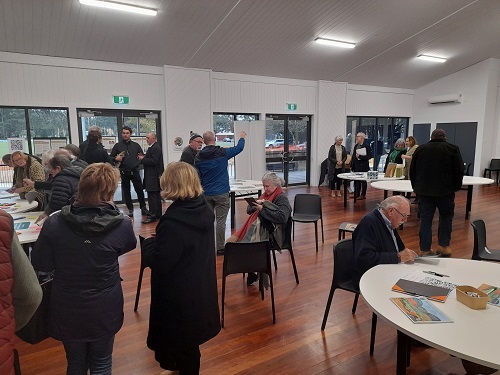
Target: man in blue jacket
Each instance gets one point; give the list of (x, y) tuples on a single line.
[(211, 163)]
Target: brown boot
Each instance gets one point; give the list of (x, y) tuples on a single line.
[(427, 253), (444, 251)]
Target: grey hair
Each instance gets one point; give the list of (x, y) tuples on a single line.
[(46, 156), (400, 142), (394, 201), (96, 128), (273, 178), (338, 137), (361, 134)]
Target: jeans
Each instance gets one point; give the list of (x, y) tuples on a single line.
[(219, 203), (136, 181), (93, 355), (427, 206)]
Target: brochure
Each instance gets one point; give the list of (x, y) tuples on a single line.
[(419, 310), (493, 293), (419, 285)]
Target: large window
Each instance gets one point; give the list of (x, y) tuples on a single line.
[(224, 126), (30, 123), (381, 133)]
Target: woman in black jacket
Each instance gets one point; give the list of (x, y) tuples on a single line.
[(184, 302), (336, 165), (81, 244)]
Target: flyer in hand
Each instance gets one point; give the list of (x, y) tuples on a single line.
[(420, 310)]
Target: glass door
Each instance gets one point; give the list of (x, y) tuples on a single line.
[(287, 153)]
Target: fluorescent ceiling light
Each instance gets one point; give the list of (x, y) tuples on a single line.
[(119, 6), (335, 43), (431, 58)]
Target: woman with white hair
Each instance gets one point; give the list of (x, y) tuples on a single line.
[(395, 155), (360, 162), (336, 165)]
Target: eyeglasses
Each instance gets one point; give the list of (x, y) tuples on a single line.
[(17, 160), (402, 215)]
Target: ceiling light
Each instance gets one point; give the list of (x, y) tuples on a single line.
[(335, 43), (119, 6), (431, 58)]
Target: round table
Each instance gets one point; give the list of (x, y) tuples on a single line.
[(25, 227), (18, 205), (404, 186), (473, 333), (362, 176)]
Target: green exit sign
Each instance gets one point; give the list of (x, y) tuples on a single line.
[(117, 99), (291, 106)]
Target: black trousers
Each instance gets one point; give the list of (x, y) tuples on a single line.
[(154, 201), (136, 181), (186, 360)]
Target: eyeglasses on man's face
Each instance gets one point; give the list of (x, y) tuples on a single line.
[(402, 215)]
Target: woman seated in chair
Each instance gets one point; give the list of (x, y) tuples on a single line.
[(268, 214)]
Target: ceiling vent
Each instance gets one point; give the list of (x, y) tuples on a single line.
[(441, 99)]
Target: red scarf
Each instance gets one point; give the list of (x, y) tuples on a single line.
[(240, 233)]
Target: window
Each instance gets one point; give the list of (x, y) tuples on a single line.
[(224, 126)]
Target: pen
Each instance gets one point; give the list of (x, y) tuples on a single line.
[(19, 218), (436, 274)]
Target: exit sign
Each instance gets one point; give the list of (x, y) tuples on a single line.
[(291, 106), (117, 99)]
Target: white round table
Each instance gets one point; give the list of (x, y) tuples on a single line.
[(25, 227), (404, 186), (16, 205), (473, 333), (362, 176), (242, 188)]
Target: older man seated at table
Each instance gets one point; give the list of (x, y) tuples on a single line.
[(376, 240)]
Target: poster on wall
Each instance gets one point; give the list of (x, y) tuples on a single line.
[(178, 143), (142, 142), (108, 142), (16, 144), (56, 144), (41, 145)]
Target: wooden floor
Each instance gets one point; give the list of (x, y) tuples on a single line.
[(251, 344)]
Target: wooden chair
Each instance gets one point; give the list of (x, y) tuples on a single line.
[(481, 251), (242, 257), (307, 209), (343, 278), (144, 265)]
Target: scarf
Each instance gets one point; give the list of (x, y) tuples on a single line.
[(394, 154), (240, 233)]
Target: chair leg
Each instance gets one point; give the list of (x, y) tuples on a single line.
[(374, 331), (138, 293), (261, 287), (293, 264), (272, 296), (223, 297), (355, 303), (293, 230), (328, 304), (17, 364), (274, 259), (316, 234), (322, 232)]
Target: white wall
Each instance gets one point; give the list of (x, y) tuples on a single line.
[(379, 101), (478, 86)]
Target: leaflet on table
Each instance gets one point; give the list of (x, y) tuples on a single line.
[(419, 310), (493, 293), (418, 284)]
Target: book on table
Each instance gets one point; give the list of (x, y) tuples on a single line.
[(417, 284), (420, 310), (493, 293)]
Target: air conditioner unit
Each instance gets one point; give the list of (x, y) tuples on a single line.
[(450, 98)]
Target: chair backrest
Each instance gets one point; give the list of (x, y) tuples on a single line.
[(307, 204), (246, 257), (495, 164), (343, 265), (479, 238)]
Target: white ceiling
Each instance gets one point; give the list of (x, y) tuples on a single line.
[(266, 37)]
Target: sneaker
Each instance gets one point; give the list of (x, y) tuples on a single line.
[(220, 252), (251, 278), (339, 193), (443, 251), (333, 193)]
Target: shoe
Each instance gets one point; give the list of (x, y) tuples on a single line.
[(131, 212), (150, 219), (252, 277), (443, 251), (145, 212), (361, 197), (333, 193), (427, 253), (220, 252), (339, 193)]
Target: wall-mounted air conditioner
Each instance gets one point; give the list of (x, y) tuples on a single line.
[(450, 98)]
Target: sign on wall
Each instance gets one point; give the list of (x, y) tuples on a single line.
[(291, 107)]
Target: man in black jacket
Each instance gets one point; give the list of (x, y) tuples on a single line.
[(126, 152), (436, 173), (153, 169)]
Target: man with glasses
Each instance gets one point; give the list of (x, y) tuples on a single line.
[(189, 153), (376, 240)]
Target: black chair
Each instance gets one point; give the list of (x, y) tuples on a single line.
[(343, 273), (307, 209), (144, 265), (287, 245), (242, 257), (481, 251), (494, 167), (323, 172)]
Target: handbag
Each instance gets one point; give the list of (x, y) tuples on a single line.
[(37, 328)]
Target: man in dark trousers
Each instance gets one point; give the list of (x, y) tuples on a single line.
[(436, 173), (189, 153), (153, 169), (126, 153)]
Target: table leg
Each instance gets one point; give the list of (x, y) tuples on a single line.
[(386, 193), (468, 205), (232, 195), (346, 182), (402, 349)]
